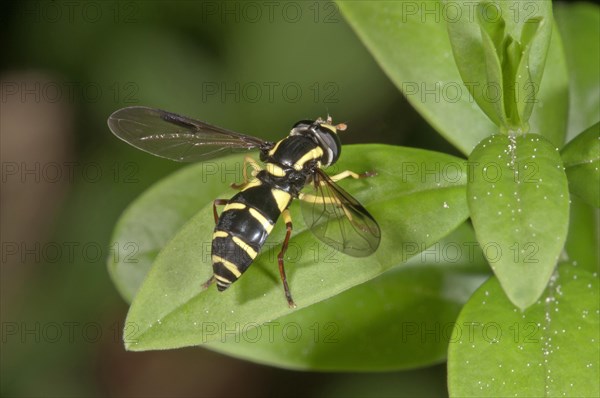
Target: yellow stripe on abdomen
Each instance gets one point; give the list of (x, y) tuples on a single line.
[(234, 206), (262, 220), (227, 264), (220, 234), (245, 247)]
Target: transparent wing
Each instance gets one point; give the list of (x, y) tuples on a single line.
[(176, 137), (338, 219)]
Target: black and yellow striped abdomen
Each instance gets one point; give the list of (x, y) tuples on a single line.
[(242, 229)]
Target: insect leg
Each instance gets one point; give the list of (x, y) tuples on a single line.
[(218, 202), (329, 200), (255, 169), (326, 200), (348, 173), (209, 282), (288, 225), (332, 199)]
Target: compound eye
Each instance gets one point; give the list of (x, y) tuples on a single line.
[(330, 142)]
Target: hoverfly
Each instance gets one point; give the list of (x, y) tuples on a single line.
[(293, 170)]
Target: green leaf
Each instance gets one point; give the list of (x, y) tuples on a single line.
[(549, 350), (519, 203), (551, 98), (500, 48), (410, 42), (399, 320), (417, 196), (527, 73), (582, 163), (412, 47), (584, 235), (579, 24), (495, 50)]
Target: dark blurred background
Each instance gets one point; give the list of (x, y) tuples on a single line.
[(253, 67)]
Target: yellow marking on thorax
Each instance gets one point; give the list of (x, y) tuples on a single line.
[(228, 264), (274, 149), (220, 234), (275, 170), (282, 198), (261, 219), (234, 206), (310, 155), (254, 183), (245, 247)]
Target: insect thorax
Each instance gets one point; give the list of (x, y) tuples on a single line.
[(290, 163)]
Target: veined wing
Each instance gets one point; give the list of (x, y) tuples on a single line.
[(176, 137), (337, 218)]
